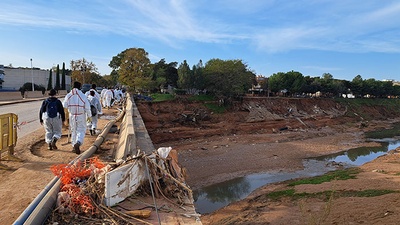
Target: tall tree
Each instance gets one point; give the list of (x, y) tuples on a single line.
[(357, 86), (83, 71), (134, 69), (277, 82), (50, 83), (228, 78), (63, 86), (57, 87), (163, 73), (291, 81), (184, 75), (297, 81), (199, 81), (171, 74)]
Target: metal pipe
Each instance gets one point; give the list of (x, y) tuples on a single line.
[(22, 218)]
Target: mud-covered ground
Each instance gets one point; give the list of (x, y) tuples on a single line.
[(256, 135), (260, 135)]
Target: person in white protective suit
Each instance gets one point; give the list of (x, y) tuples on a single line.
[(96, 103), (103, 97), (108, 96), (79, 109), (117, 95), (93, 88), (96, 94)]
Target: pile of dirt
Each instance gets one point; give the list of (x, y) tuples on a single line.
[(276, 134)]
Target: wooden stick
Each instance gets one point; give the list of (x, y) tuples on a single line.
[(168, 175)]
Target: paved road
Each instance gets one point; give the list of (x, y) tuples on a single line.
[(28, 116)]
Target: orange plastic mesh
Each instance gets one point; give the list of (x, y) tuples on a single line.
[(71, 177)]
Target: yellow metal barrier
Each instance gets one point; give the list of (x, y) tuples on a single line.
[(8, 135)]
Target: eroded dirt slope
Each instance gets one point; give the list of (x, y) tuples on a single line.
[(181, 119), (259, 135)]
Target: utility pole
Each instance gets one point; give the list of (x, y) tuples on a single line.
[(33, 86)]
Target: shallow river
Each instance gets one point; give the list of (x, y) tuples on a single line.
[(213, 197)]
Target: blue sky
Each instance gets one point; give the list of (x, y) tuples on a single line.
[(342, 37)]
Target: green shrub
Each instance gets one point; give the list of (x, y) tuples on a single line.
[(162, 97)]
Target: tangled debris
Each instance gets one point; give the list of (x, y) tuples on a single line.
[(82, 191)]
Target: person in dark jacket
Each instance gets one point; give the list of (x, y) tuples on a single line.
[(51, 116), (23, 91)]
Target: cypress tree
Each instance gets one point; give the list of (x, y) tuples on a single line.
[(57, 87), (63, 77), (50, 84)]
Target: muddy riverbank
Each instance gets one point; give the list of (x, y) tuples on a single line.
[(263, 137)]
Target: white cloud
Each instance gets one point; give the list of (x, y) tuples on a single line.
[(270, 26)]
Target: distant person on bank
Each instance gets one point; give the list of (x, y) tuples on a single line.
[(79, 110), (22, 90), (51, 116), (109, 96)]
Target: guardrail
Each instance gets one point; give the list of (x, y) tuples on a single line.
[(8, 135)]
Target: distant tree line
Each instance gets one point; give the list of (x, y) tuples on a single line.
[(225, 79), (296, 84)]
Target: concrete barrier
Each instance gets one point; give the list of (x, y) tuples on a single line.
[(127, 138)]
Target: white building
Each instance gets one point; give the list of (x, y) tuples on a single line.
[(13, 78)]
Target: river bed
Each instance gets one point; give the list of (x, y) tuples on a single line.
[(216, 196)]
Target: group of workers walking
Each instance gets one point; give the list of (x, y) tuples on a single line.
[(83, 110)]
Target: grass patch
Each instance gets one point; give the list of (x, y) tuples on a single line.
[(334, 175), (280, 194), (385, 133), (157, 97), (326, 195), (372, 193), (202, 98), (215, 108), (290, 193)]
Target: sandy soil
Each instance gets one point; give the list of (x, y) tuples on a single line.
[(255, 136)]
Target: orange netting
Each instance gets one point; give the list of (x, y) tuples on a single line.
[(79, 171), (72, 177)]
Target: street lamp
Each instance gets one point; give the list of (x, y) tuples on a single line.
[(33, 86)]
